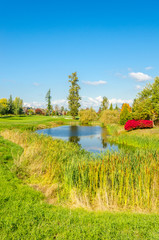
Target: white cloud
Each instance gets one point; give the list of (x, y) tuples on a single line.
[(99, 98), (121, 75), (96, 102), (34, 104), (95, 83), (140, 77), (148, 68), (129, 69), (60, 102), (120, 101), (86, 102), (139, 87), (36, 84)]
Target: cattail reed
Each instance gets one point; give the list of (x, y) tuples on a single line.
[(127, 179)]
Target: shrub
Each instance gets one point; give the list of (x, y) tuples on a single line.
[(109, 117), (88, 115), (135, 124), (38, 111)]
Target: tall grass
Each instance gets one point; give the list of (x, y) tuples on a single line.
[(143, 142), (129, 180), (25, 215)]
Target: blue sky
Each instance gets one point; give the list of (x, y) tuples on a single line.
[(112, 45)]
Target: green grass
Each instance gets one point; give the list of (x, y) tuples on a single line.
[(128, 180), (33, 122), (25, 215), (140, 138)]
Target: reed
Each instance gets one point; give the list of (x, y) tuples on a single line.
[(125, 180), (142, 142)]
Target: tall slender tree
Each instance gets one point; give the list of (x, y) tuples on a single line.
[(74, 98), (18, 106), (10, 105), (116, 107), (104, 103), (48, 100)]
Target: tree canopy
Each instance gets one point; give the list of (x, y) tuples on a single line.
[(74, 98), (146, 105), (125, 114), (18, 106), (104, 103)]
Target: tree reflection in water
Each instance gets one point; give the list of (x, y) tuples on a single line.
[(74, 135), (74, 139), (104, 137)]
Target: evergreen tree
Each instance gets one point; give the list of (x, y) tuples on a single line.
[(48, 100), (125, 114), (116, 107), (104, 103), (74, 98), (10, 105), (111, 107)]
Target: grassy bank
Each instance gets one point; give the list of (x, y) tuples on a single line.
[(69, 175), (25, 215), (69, 178), (139, 138)]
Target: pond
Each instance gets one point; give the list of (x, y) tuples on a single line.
[(91, 138)]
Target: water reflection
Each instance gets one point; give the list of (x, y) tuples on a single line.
[(104, 137), (74, 139), (91, 138)]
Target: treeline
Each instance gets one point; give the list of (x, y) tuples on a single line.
[(145, 106), (10, 106), (103, 115)]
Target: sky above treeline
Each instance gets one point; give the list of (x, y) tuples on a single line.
[(112, 45)]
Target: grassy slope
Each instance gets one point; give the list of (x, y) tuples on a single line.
[(25, 215), (32, 122), (140, 138)]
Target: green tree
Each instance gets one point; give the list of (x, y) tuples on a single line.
[(143, 109), (18, 106), (125, 114), (155, 96), (74, 98), (146, 105), (3, 106), (111, 107), (116, 107), (104, 103), (48, 100), (10, 105), (3, 110)]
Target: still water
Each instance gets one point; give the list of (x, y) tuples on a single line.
[(93, 139)]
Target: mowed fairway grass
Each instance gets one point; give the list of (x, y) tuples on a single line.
[(32, 122), (25, 214)]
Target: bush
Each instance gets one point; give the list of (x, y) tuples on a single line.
[(87, 116), (133, 124), (38, 111), (110, 117)]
